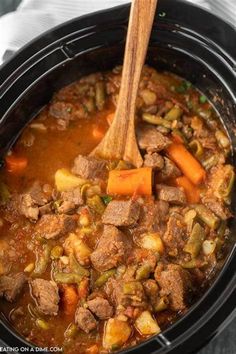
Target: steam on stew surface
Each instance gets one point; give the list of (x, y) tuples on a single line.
[(97, 255)]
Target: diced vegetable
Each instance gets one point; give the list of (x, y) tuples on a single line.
[(15, 164), (196, 148), (123, 165), (178, 137), (130, 182), (92, 350), (143, 272), (207, 216), (222, 139), (152, 119), (56, 252), (29, 268), (132, 287), (152, 241), (194, 263), (38, 126), (42, 324), (71, 331), (4, 193), (42, 260), (73, 245), (103, 278), (96, 204), (116, 333), (196, 238), (69, 299), (100, 94), (67, 278), (202, 99), (64, 180), (208, 247), (190, 167), (189, 218), (191, 191), (225, 184), (148, 96), (162, 304), (183, 87), (75, 266), (174, 114), (84, 220), (210, 162), (222, 228), (146, 324)]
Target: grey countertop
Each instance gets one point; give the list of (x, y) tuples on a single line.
[(225, 343)]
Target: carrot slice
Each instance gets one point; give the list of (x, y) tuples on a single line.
[(191, 191), (190, 167), (130, 182), (15, 164), (69, 299)]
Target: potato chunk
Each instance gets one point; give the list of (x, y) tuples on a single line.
[(146, 324), (152, 241), (65, 180), (73, 244), (116, 333)]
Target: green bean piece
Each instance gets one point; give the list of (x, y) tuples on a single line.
[(222, 228), (89, 104), (71, 331), (132, 287), (202, 99), (42, 260), (152, 119), (174, 113), (4, 193), (100, 95), (96, 204), (103, 278), (210, 162), (143, 272), (76, 267), (162, 304), (67, 278), (196, 238), (194, 263), (207, 216), (42, 324), (56, 252), (196, 148), (222, 139), (183, 87), (225, 184)]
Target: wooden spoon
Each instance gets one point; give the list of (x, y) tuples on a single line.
[(120, 140)]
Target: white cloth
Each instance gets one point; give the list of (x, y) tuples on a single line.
[(36, 16)]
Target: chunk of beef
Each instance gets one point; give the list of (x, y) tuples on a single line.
[(70, 200), (85, 320), (55, 226), (126, 293), (170, 170), (61, 110), (89, 167), (217, 207), (151, 140), (154, 160), (100, 307), (121, 213), (11, 286), (152, 291), (46, 296), (173, 195), (111, 249), (153, 217), (36, 197), (175, 282), (175, 235)]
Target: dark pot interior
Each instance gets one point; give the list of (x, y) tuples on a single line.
[(202, 51)]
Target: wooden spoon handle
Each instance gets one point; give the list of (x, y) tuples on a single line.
[(140, 26)]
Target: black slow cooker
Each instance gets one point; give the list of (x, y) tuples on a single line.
[(186, 40)]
